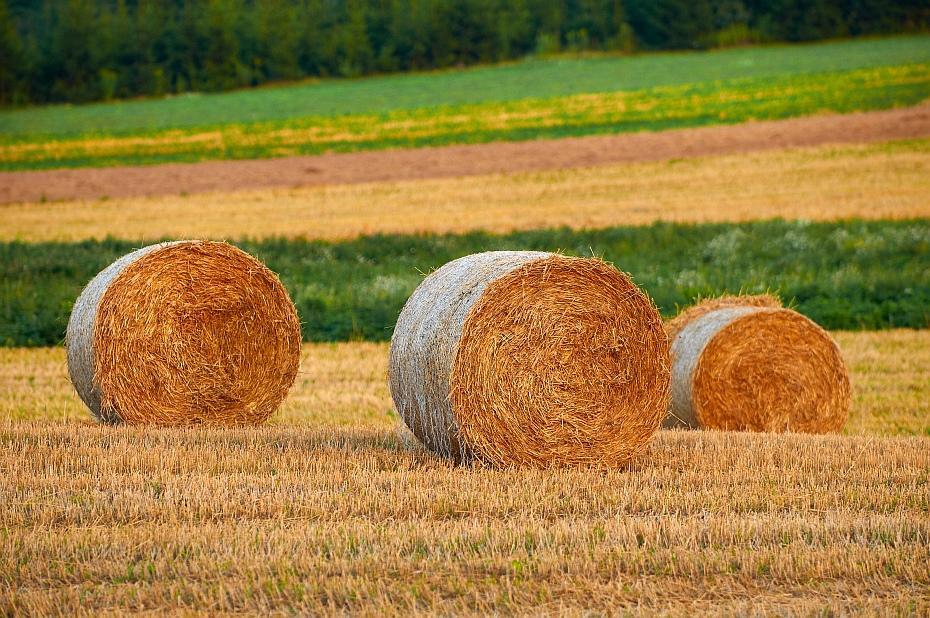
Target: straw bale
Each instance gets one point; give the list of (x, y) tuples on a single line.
[(712, 304), (756, 368), (184, 333), (511, 357)]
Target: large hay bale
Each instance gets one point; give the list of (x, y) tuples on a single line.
[(518, 357), (182, 333), (747, 363)]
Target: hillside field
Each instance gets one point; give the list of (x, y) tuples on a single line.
[(536, 79), (888, 180), (618, 94)]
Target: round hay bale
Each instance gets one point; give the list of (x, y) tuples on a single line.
[(518, 357), (711, 304), (756, 367), (184, 333)]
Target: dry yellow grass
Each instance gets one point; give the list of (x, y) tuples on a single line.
[(327, 512), (346, 384), (343, 383), (884, 181), (329, 520)]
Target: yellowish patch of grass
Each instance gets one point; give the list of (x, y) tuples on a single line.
[(889, 372), (341, 384), (328, 520), (346, 384), (326, 511), (883, 181)]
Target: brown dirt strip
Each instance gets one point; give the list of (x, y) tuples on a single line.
[(466, 160)]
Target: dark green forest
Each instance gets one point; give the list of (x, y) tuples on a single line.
[(87, 50)]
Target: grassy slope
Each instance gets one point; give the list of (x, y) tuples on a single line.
[(853, 274), (887, 181), (532, 79), (724, 102)]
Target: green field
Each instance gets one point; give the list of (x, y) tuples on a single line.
[(654, 109), (530, 100), (844, 275), (529, 79)]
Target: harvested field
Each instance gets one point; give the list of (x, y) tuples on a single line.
[(339, 384), (333, 508), (345, 384), (457, 161), (327, 520), (328, 512), (877, 181)]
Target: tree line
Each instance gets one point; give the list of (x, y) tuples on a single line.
[(87, 50)]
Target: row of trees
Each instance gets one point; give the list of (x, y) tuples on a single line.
[(84, 50)]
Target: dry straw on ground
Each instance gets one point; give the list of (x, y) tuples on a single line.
[(512, 357), (747, 363), (184, 333)]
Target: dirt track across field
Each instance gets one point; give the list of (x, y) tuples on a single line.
[(449, 161)]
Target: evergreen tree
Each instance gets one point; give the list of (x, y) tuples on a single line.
[(355, 49), (68, 69), (278, 39), (12, 58), (221, 68)]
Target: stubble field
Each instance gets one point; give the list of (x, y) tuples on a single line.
[(316, 520), (888, 180), (345, 385), (330, 509)]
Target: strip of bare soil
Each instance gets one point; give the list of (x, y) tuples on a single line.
[(447, 161)]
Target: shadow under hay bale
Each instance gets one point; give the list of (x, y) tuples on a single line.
[(184, 333), (517, 357), (746, 363)]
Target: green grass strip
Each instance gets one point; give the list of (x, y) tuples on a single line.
[(727, 102), (844, 275), (533, 78)]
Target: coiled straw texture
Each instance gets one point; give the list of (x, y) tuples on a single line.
[(184, 333), (530, 358), (756, 367)]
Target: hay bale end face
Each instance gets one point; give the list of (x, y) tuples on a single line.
[(514, 357), (755, 367), (184, 333)]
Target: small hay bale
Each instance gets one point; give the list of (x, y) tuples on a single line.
[(518, 357), (712, 304), (748, 364), (184, 333)]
